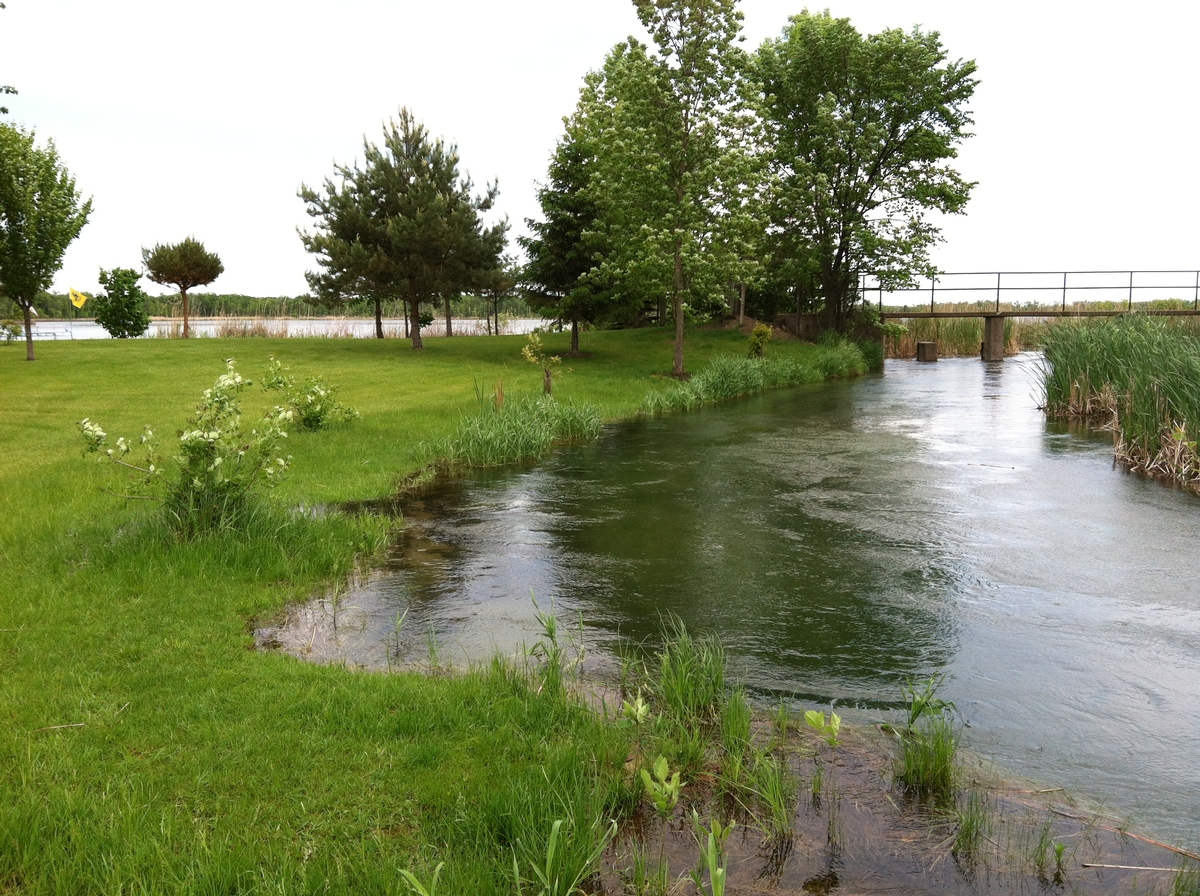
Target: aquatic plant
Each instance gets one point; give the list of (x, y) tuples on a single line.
[(691, 674), (828, 730), (711, 841), (776, 789), (1139, 376), (920, 698), (663, 786), (975, 823), (926, 766)]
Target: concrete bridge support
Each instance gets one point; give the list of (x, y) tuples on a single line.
[(993, 339)]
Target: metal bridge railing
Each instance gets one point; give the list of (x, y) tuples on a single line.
[(1031, 291)]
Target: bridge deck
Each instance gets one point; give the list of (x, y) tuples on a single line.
[(912, 315)]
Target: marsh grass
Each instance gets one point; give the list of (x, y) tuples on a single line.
[(926, 766), (776, 789), (727, 377), (691, 674), (976, 823), (1187, 880), (519, 429), (962, 336), (1141, 377)]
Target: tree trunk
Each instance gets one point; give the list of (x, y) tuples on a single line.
[(574, 336), (406, 316), (742, 305), (449, 328), (677, 369), (28, 332), (414, 324), (548, 381), (378, 318), (187, 332)]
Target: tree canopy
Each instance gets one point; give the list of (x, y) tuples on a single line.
[(676, 168), (40, 214), (565, 246), (861, 132), (404, 225), (184, 265)]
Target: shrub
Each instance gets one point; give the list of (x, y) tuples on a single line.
[(759, 337), (314, 403), (219, 467), (121, 309)]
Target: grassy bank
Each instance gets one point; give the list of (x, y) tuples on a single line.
[(145, 748), (1139, 375)]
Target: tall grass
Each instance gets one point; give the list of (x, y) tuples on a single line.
[(691, 675), (1139, 375), (962, 336), (727, 377), (522, 428)]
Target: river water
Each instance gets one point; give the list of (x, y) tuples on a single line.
[(841, 538)]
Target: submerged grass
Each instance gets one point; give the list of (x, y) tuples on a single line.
[(1139, 375)]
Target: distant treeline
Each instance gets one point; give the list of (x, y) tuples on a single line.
[(201, 304)]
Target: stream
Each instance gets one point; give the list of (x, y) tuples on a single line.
[(841, 539)]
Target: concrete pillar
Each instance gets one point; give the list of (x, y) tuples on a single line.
[(993, 339), (926, 351)]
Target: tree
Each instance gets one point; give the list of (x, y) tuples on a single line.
[(403, 225), (184, 265), (862, 131), (121, 309), (6, 90), (40, 214), (564, 247), (676, 173)]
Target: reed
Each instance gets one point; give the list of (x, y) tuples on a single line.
[(962, 336), (1141, 377)]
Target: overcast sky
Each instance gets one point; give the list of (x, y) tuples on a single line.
[(203, 119)]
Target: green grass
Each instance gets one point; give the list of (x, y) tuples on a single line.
[(194, 764)]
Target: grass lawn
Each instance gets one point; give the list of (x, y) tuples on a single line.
[(144, 747)]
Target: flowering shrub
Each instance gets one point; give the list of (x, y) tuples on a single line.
[(218, 467), (314, 403)]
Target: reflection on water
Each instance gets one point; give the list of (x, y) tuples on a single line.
[(839, 539)]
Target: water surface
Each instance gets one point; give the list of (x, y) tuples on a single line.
[(841, 538)]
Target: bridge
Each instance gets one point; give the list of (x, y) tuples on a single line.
[(997, 295)]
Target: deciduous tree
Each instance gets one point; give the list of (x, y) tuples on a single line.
[(676, 169), (404, 224), (184, 265), (40, 214), (121, 308), (863, 131)]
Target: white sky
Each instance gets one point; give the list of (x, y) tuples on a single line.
[(202, 119)]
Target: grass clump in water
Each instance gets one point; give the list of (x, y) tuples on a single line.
[(523, 428), (728, 377), (1139, 375)]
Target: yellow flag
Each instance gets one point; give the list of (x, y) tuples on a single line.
[(78, 298)]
